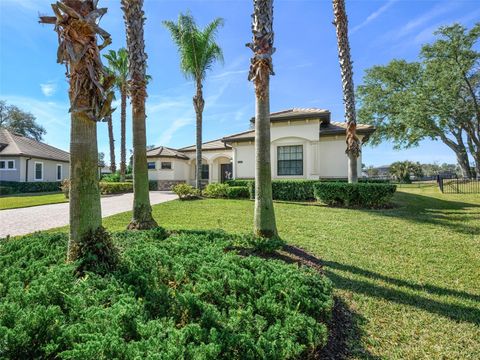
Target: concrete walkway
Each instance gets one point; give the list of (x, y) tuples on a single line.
[(23, 221)]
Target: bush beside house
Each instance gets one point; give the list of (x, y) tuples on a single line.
[(358, 195), (13, 187)]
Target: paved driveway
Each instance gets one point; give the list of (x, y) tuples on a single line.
[(26, 220)]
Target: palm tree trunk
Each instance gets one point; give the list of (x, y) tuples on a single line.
[(199, 104), (113, 166), (134, 19), (123, 121), (260, 70), (353, 143), (85, 209)]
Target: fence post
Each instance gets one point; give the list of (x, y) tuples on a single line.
[(440, 183)]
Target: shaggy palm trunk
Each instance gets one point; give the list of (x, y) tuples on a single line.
[(85, 209), (260, 70), (353, 143), (113, 166), (199, 104), (123, 121), (134, 19), (76, 24)]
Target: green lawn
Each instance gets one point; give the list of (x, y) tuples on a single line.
[(33, 199), (409, 276)]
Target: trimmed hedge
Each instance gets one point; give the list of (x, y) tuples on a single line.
[(369, 195), (6, 190), (28, 187), (289, 190), (180, 297), (115, 187), (238, 192), (362, 180), (239, 182)]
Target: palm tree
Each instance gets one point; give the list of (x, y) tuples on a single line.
[(198, 52), (118, 66), (137, 63), (90, 99), (260, 70), (353, 143), (113, 166)]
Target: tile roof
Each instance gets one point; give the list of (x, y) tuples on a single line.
[(338, 128), (12, 144), (163, 151), (332, 128), (298, 114), (217, 144)]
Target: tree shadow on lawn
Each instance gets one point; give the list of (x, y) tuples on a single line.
[(452, 311), (435, 211)]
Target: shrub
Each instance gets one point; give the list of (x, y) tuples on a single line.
[(215, 190), (153, 185), (115, 188), (361, 194), (27, 187), (261, 244), (239, 182), (183, 297), (115, 177), (289, 190), (237, 192), (65, 187), (6, 190), (186, 192)]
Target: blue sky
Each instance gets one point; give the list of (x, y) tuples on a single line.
[(306, 66)]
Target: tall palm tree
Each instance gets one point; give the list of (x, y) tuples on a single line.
[(137, 63), (90, 99), (353, 143), (198, 52), (118, 66), (261, 68), (111, 140)]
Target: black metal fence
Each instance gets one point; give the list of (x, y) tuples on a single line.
[(456, 185)]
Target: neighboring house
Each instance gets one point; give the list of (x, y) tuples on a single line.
[(25, 160), (305, 144)]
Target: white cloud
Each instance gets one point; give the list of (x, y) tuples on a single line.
[(176, 125), (48, 88), (373, 16)]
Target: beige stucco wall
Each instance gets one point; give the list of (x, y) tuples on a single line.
[(179, 169), (322, 157), (49, 170)]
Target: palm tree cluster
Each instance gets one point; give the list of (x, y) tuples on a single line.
[(92, 90)]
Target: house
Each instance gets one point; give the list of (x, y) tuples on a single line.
[(25, 160), (305, 144)]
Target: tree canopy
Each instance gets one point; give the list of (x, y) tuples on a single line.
[(197, 47), (21, 122), (434, 98)]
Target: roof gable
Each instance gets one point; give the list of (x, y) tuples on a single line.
[(12, 144)]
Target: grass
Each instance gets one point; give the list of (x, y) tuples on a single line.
[(33, 199), (409, 275)]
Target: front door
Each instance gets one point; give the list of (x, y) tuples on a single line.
[(225, 172)]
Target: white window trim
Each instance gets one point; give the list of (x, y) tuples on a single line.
[(303, 145), (171, 165), (35, 170), (56, 172), (6, 165)]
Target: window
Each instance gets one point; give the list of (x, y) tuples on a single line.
[(59, 172), (38, 171), (166, 165), (290, 160), (151, 165), (7, 164), (205, 171)]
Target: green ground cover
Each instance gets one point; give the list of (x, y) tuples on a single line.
[(408, 275)]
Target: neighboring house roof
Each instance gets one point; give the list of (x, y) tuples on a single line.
[(163, 151), (12, 144), (299, 114), (248, 135), (339, 128), (217, 144)]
